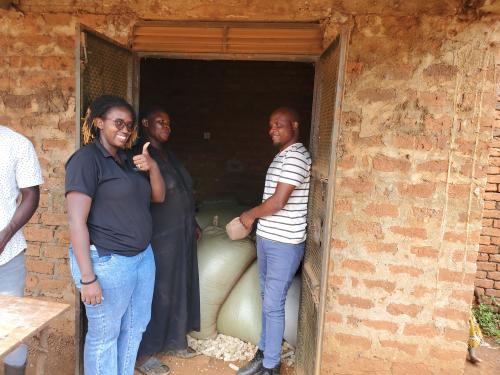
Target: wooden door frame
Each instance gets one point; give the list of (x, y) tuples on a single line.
[(330, 198)]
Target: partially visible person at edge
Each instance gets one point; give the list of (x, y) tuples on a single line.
[(108, 194), (475, 335), (19, 174), (176, 300), (281, 232)]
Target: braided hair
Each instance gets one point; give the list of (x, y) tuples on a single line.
[(98, 109)]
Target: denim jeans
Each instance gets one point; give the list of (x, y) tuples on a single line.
[(115, 326), (12, 275), (278, 263)]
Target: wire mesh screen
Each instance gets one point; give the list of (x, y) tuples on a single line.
[(325, 92), (105, 69)]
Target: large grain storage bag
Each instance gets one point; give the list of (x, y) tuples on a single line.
[(224, 210), (292, 311), (240, 315), (221, 263)]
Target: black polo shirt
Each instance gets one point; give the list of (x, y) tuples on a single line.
[(119, 220)]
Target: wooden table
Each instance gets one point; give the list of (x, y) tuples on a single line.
[(23, 318)]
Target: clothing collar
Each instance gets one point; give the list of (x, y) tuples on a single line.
[(105, 152), (293, 144)]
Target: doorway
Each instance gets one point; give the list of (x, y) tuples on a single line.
[(227, 136)]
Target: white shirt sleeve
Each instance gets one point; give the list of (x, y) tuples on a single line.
[(28, 172)]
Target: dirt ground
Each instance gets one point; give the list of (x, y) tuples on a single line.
[(211, 366), (205, 365), (491, 360)]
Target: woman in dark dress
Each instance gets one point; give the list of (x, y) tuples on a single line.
[(176, 300)]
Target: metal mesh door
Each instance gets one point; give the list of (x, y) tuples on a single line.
[(105, 68), (326, 78)]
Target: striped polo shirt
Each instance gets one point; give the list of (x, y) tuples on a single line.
[(291, 166)]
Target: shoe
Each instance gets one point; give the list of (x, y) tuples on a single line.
[(271, 371), (254, 366), (14, 370)]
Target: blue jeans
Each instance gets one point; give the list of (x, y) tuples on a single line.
[(278, 263), (12, 275), (115, 326)]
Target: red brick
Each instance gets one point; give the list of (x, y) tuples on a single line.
[(39, 266), (484, 283), (455, 334), (410, 349), (493, 179), (410, 368), (454, 276), (381, 325), (54, 144), (483, 257), (411, 232), (338, 244), (49, 218), (381, 247), (359, 265), (493, 213), (455, 237), (62, 270), (480, 274), (385, 163), (364, 227), (458, 190), (401, 309), (422, 190), (451, 313), (384, 284), (58, 252), (491, 187), (492, 232), (424, 330), (41, 234), (425, 251), (412, 271), (492, 293), (33, 249), (381, 210), (486, 266), (347, 162), (444, 354), (332, 317), (351, 340), (488, 249), (484, 240), (493, 276), (54, 288), (357, 185), (495, 258), (361, 303), (435, 166), (343, 205), (421, 290)]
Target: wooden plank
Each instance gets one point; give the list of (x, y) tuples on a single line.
[(21, 318), (176, 39), (275, 33), (180, 31)]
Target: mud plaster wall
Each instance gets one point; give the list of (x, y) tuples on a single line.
[(407, 247), (413, 150)]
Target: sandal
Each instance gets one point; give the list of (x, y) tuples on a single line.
[(183, 353), (153, 366)]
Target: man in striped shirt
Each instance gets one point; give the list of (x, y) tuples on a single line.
[(281, 232)]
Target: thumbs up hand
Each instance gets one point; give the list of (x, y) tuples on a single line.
[(143, 161)]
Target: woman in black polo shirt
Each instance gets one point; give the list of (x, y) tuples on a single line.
[(108, 195)]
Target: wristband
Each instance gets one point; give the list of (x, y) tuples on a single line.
[(88, 282)]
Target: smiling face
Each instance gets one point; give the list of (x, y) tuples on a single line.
[(111, 137), (157, 126), (283, 130)]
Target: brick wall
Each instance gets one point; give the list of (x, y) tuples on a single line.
[(488, 260), (411, 169), (413, 148)]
